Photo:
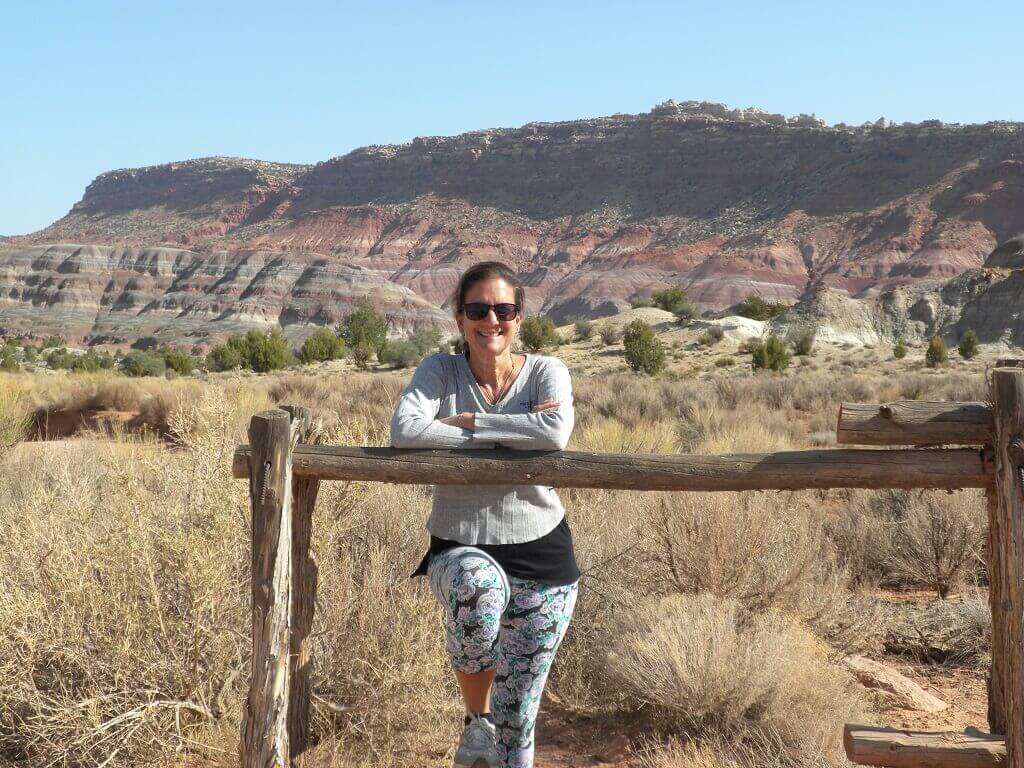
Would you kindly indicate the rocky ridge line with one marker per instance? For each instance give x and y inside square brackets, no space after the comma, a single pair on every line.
[591,212]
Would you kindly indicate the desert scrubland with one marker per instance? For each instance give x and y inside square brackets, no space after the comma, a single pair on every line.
[711,629]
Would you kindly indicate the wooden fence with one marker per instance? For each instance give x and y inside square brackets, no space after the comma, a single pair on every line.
[284,471]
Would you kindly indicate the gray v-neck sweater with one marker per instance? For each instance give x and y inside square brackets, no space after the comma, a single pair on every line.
[443,385]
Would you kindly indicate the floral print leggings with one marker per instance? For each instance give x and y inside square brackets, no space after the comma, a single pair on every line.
[498,621]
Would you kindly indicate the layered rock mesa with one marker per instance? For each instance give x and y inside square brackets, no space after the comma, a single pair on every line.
[155,295]
[590,212]
[987,300]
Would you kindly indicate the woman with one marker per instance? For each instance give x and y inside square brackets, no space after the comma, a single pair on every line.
[501,558]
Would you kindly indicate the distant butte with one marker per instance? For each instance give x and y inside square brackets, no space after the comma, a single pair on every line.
[725,202]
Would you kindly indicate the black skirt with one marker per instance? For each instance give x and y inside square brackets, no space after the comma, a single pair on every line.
[549,559]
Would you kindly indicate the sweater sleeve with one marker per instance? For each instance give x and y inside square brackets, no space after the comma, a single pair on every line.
[415,423]
[543,431]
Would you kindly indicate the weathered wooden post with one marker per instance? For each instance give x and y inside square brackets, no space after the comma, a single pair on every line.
[265,743]
[996,601]
[304,583]
[1006,562]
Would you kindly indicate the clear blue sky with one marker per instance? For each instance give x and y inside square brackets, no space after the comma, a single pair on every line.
[92,86]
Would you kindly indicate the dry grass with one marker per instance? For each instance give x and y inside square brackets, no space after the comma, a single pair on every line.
[15,417]
[124,593]
[861,534]
[120,591]
[106,391]
[124,585]
[701,665]
[362,408]
[679,753]
[763,550]
[607,435]
[940,538]
[718,753]
[956,631]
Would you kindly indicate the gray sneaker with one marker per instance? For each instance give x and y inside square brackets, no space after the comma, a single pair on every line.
[476,747]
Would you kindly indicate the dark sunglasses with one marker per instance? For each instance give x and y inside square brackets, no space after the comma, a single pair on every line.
[476,310]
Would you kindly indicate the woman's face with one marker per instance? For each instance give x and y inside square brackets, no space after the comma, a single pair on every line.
[489,337]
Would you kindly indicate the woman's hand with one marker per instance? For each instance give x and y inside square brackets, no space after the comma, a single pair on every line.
[462,420]
[547,405]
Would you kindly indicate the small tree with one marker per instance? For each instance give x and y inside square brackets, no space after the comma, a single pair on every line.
[684,312]
[8,360]
[425,340]
[638,302]
[584,330]
[899,351]
[365,332]
[968,345]
[538,332]
[401,354]
[91,362]
[756,308]
[225,357]
[179,362]
[267,351]
[936,353]
[643,349]
[363,352]
[323,344]
[257,351]
[139,363]
[610,334]
[59,359]
[676,301]
[803,341]
[668,298]
[770,355]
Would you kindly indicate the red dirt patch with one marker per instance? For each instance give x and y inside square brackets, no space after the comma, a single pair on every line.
[60,423]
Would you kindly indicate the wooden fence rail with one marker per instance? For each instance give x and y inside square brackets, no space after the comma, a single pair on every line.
[945,468]
[284,473]
[915,422]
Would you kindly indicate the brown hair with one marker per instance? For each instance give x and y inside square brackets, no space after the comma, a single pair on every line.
[487,270]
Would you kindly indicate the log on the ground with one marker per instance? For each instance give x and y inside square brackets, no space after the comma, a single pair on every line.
[915,422]
[787,470]
[891,748]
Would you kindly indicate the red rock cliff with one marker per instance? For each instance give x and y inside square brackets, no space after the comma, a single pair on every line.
[725,202]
